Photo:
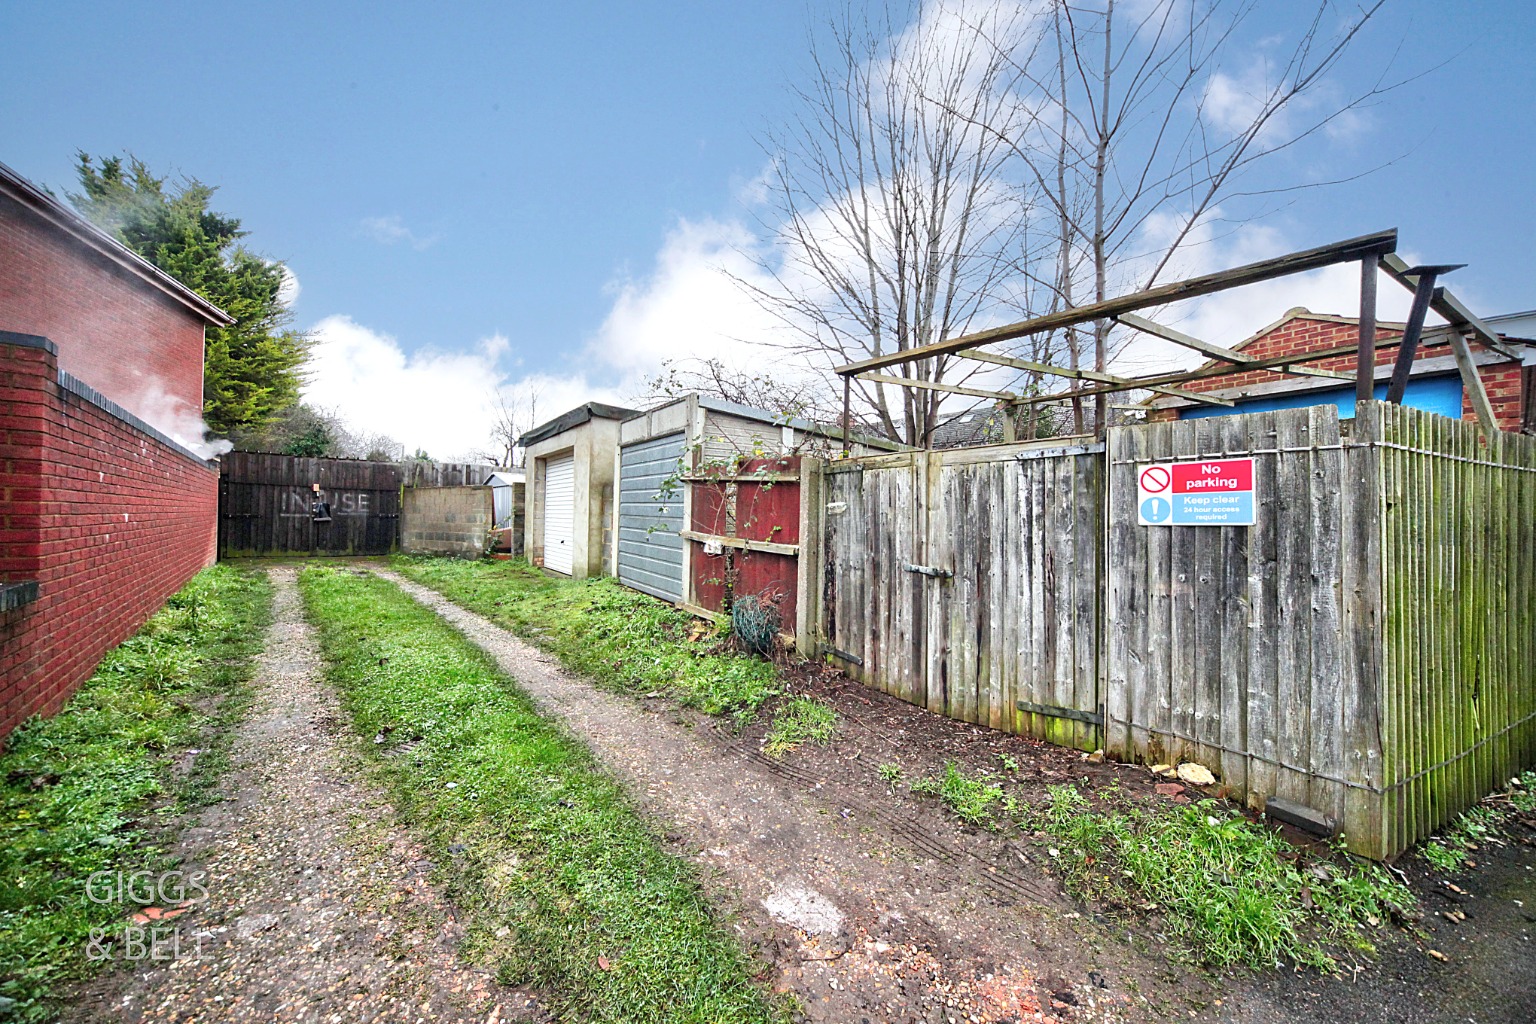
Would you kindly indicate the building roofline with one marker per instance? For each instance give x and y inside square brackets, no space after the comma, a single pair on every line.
[82,230]
[575,418]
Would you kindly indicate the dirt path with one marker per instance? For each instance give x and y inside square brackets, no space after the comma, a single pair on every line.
[867,918]
[317,907]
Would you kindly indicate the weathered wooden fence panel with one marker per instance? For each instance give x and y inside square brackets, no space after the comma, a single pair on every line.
[1238,647]
[1458,682]
[1365,650]
[968,582]
[265,505]
[744,536]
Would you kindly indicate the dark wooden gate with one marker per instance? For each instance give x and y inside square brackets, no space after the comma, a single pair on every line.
[265,506]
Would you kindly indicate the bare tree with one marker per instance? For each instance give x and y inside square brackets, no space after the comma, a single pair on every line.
[1143,135]
[956,162]
[799,395]
[896,223]
[512,416]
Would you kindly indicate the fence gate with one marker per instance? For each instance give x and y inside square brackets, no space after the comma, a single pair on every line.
[967,582]
[265,504]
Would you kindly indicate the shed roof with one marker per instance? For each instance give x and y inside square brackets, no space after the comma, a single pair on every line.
[575,418]
[71,223]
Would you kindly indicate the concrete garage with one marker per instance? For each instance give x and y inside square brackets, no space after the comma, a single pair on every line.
[570,464]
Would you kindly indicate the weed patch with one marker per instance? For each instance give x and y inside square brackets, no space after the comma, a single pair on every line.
[971,798]
[89,789]
[800,720]
[621,639]
[1483,824]
[565,885]
[1232,892]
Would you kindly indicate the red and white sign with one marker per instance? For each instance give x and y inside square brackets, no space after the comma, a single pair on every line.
[1210,492]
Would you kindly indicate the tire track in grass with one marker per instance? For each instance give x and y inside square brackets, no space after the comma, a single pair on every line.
[315,906]
[564,885]
[868,917]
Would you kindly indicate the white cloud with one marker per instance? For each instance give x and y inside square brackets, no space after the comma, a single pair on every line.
[391,230]
[441,401]
[689,307]
[288,291]
[1226,318]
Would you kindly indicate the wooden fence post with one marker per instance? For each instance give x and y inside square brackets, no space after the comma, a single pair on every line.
[808,610]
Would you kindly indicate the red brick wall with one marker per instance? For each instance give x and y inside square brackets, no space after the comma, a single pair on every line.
[113,331]
[107,518]
[1302,334]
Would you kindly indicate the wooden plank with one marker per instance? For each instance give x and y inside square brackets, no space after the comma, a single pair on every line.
[1363,512]
[1094,375]
[740,543]
[813,508]
[929,385]
[1236,610]
[1264,270]
[1122,609]
[1207,577]
[1329,651]
[1088,592]
[1473,382]
[1180,338]
[1293,571]
[1157,703]
[1183,637]
[1287,363]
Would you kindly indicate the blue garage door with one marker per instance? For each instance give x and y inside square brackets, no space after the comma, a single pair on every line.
[651,516]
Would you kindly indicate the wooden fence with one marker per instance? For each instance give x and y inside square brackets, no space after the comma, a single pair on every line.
[1251,649]
[1365,651]
[743,536]
[966,581]
[265,505]
[1457,701]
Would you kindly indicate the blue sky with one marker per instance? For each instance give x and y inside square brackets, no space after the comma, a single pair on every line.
[473,194]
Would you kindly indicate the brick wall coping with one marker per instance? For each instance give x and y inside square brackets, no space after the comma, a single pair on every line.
[28,341]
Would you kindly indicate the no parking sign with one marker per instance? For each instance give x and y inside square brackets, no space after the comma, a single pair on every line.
[1214,492]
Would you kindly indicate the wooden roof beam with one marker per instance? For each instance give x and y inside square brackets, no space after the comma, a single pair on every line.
[1080,374]
[1294,263]
[1447,305]
[1157,330]
[928,385]
[1288,362]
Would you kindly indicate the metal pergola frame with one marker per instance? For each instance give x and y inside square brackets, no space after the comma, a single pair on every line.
[1375,253]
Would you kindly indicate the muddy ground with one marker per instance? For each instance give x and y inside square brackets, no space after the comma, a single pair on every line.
[938,918]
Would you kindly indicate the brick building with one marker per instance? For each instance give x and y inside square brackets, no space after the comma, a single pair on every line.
[1435,384]
[103,515]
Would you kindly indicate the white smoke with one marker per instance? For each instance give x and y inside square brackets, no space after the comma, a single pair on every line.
[179,420]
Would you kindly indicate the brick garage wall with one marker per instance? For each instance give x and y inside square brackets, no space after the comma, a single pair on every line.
[54,285]
[108,517]
[1302,334]
[445,521]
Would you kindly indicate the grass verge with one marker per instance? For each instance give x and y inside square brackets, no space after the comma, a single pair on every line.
[566,887]
[92,788]
[1232,892]
[617,637]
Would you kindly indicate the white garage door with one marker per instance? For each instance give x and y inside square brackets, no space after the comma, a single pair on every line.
[559,513]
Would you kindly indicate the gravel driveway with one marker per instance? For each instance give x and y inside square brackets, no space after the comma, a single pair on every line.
[318,906]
